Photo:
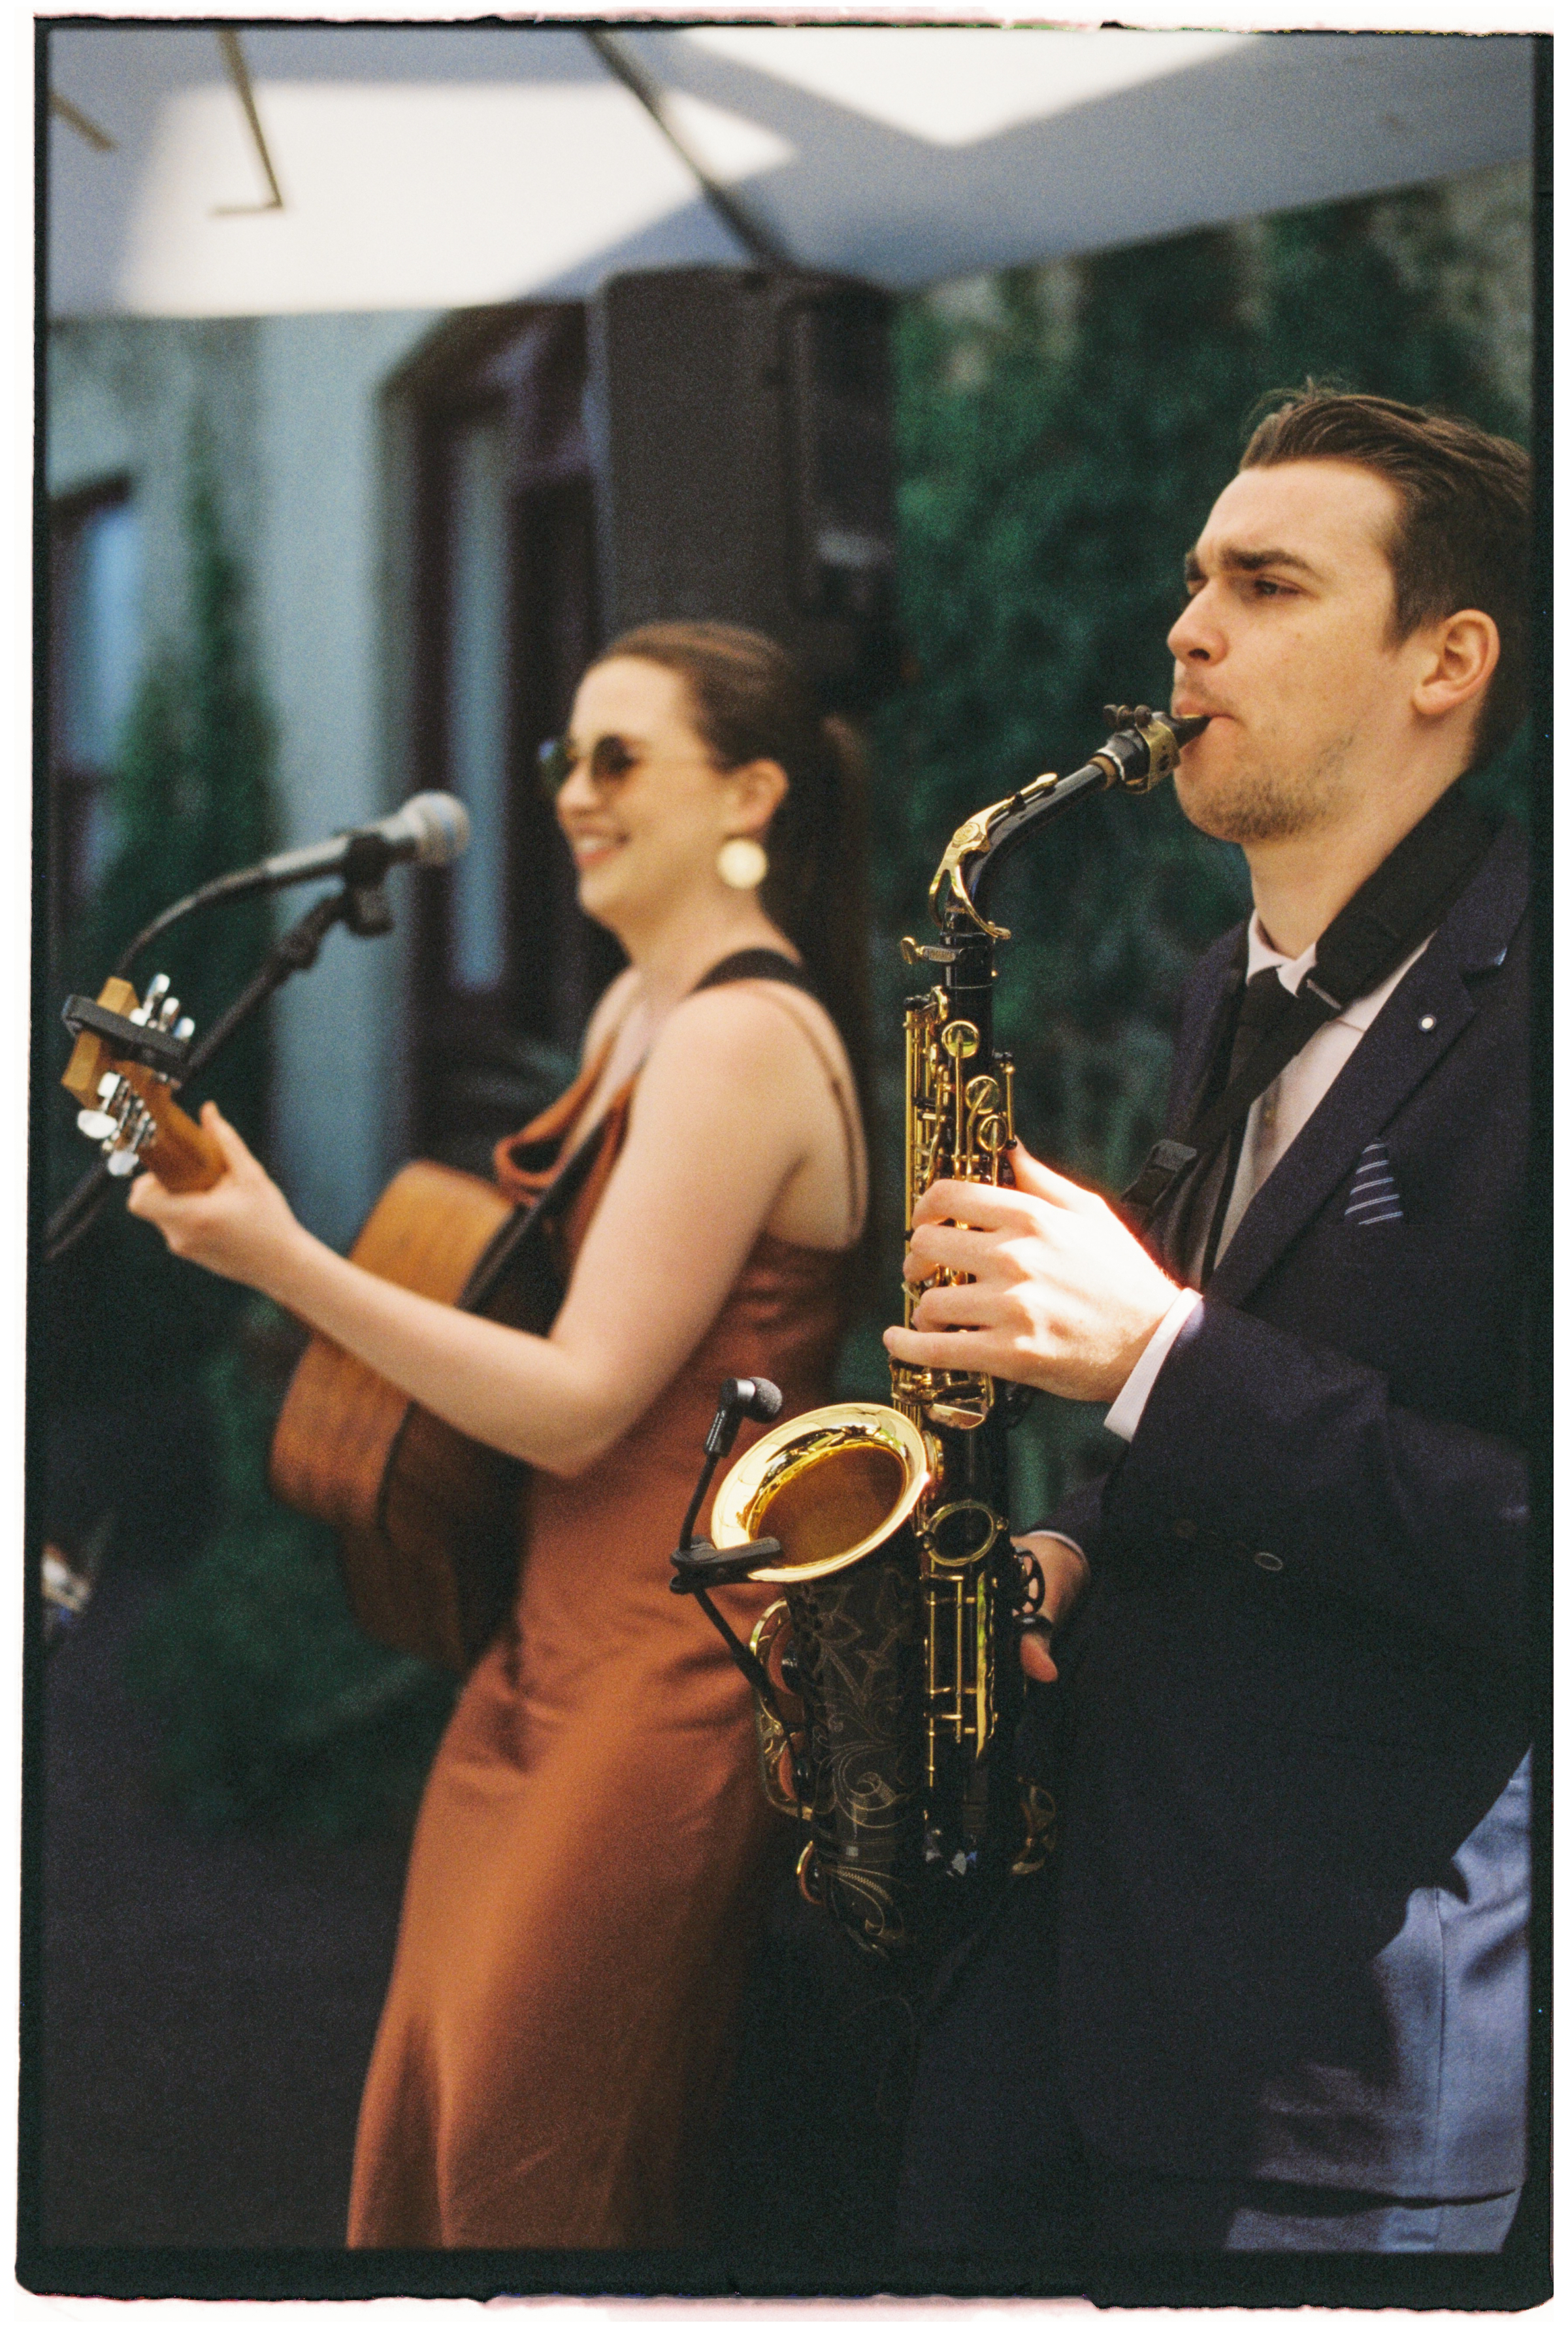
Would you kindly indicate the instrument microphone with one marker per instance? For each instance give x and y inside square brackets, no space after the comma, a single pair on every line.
[741,1396]
[431,829]
[698,1565]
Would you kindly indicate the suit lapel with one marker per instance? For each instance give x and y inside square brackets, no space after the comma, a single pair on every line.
[1421,1019]
[1398,1051]
[1209,1013]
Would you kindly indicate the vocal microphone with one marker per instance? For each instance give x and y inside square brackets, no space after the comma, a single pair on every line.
[431,829]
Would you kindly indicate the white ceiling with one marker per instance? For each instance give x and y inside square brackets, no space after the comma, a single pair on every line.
[447,165]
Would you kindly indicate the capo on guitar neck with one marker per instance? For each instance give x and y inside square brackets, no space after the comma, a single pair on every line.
[122,1067]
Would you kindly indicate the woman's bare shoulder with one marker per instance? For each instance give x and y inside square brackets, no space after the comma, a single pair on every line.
[771,1046]
[759,1015]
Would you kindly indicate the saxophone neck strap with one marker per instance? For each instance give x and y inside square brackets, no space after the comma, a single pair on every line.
[1396,908]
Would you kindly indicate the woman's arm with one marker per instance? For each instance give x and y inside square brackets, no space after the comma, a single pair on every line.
[726,1110]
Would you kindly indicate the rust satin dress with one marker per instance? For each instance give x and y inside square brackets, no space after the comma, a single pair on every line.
[593,1848]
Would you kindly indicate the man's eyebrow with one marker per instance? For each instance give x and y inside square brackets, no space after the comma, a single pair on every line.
[1248,561]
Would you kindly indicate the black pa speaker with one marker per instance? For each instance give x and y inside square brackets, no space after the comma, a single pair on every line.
[742,430]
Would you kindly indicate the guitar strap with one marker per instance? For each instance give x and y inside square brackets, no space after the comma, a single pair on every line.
[525,1239]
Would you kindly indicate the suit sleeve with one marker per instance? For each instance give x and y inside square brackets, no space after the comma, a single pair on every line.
[1259,1449]
[1078,1516]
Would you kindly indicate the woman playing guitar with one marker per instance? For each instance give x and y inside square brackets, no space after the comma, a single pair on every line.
[590,1855]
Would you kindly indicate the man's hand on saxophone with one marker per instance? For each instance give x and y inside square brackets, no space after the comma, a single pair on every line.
[1063,1573]
[1060,1294]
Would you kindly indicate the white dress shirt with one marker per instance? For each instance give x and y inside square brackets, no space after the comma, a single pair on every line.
[1276,1116]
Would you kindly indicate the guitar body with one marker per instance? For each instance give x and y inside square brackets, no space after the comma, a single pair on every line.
[426,1518]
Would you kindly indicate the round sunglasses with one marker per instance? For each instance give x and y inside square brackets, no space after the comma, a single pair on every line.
[610,763]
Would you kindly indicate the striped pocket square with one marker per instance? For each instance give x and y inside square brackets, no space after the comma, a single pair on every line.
[1373,1195]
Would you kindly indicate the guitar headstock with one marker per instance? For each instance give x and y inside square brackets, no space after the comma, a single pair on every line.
[126,1062]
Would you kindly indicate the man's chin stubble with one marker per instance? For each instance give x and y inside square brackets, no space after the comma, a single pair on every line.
[1267,810]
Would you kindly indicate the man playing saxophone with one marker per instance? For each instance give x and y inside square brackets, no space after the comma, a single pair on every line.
[1276,1995]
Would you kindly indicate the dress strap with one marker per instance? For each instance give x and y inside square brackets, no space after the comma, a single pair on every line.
[756,962]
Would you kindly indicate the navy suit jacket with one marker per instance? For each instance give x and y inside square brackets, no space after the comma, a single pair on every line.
[1294,1688]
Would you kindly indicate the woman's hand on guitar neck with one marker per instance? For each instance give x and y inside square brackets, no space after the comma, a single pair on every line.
[241,1228]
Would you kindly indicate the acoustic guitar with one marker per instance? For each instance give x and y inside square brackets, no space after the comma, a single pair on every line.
[427,1518]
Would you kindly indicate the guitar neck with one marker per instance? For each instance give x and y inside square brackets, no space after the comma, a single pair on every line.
[183,1155]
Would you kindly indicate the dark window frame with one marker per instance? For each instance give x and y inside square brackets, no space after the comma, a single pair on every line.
[481,1060]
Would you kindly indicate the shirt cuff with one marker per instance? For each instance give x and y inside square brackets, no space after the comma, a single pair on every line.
[1123,1417]
[1070,1541]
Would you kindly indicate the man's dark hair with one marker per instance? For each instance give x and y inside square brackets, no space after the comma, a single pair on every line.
[1463,538]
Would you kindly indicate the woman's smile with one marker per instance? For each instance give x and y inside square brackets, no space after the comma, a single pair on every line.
[592,848]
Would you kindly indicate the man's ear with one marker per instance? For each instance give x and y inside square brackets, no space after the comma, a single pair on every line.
[1459,657]
[756,790]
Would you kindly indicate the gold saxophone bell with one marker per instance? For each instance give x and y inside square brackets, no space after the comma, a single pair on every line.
[832,1487]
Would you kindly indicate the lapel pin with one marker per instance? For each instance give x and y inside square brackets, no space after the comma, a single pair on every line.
[1428,1023]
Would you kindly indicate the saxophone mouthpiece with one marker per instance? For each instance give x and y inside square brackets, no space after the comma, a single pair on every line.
[1145,746]
[1137,717]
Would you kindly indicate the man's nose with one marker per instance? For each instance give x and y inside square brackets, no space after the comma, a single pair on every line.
[1194,637]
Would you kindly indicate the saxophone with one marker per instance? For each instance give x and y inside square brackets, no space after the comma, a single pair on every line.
[885,1673]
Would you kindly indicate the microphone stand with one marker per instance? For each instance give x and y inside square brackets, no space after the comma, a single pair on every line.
[697,1563]
[360,904]
[366,862]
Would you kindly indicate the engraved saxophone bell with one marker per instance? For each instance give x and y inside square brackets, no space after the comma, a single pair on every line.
[837,1489]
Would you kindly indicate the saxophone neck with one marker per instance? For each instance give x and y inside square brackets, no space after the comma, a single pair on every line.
[1141,751]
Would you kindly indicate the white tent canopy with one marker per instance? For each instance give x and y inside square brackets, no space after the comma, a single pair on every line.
[433,166]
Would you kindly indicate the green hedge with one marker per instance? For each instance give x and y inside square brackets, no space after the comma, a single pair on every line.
[273,1705]
[1060,440]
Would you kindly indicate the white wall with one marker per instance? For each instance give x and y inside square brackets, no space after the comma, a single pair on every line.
[294,403]
[322,610]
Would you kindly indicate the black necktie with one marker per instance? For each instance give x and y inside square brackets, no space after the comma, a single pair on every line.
[1265,1003]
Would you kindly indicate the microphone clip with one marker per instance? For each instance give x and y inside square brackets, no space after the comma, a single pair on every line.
[367,910]
[701,1564]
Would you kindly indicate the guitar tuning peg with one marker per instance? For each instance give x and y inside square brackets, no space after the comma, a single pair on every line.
[185,1030]
[168,1011]
[108,1086]
[147,1009]
[97,1125]
[121,1163]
